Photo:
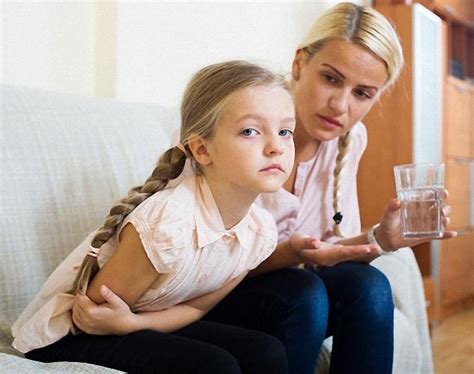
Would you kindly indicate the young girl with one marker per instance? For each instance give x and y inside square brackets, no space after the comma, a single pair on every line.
[348,58]
[182,241]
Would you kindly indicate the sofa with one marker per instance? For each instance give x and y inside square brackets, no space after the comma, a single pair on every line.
[66,159]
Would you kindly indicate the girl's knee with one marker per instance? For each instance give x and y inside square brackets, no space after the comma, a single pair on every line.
[218,361]
[272,357]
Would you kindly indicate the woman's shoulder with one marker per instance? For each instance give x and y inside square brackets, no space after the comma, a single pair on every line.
[359,140]
[360,131]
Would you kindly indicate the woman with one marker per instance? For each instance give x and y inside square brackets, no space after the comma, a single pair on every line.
[348,58]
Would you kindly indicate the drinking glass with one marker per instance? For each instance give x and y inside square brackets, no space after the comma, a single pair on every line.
[420,187]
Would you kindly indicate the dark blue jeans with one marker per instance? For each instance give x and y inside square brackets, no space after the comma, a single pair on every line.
[200,348]
[350,301]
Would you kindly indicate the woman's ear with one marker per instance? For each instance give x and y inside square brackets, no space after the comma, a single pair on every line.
[198,147]
[296,65]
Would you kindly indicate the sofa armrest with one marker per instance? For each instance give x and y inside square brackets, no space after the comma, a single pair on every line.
[406,282]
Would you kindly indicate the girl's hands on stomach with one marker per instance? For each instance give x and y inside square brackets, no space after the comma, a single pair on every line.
[113,317]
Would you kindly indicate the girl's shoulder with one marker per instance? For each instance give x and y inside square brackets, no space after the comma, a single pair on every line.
[263,223]
[164,223]
[173,203]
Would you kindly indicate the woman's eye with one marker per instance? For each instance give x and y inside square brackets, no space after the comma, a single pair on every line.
[329,78]
[249,132]
[286,133]
[362,94]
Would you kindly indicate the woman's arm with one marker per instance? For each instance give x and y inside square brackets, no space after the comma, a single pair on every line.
[115,316]
[301,249]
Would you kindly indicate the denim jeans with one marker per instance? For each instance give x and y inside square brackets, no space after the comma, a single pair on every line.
[350,301]
[200,348]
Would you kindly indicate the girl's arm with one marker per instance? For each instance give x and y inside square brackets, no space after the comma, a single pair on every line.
[129,272]
[115,317]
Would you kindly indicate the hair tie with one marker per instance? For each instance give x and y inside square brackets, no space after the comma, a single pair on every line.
[92,251]
[180,146]
[337,218]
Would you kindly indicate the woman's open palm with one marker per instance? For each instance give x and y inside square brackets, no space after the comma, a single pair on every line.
[315,252]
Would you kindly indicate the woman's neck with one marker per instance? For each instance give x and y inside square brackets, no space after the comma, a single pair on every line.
[305,145]
[305,149]
[232,201]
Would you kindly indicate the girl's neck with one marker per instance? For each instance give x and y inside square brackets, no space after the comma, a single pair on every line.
[232,201]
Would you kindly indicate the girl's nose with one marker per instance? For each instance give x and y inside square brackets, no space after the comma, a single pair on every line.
[274,147]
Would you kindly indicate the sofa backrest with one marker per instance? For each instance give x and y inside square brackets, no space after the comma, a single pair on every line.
[64,161]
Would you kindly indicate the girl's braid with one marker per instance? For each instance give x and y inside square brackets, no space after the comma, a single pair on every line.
[170,166]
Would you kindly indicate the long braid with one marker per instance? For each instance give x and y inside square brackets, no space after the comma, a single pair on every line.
[344,147]
[169,166]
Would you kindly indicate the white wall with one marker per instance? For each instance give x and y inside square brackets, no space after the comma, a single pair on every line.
[48,44]
[143,50]
[161,45]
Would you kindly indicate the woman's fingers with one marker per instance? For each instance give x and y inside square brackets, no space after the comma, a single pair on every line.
[446,210]
[446,194]
[300,242]
[449,234]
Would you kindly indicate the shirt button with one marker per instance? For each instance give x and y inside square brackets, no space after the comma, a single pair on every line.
[228,236]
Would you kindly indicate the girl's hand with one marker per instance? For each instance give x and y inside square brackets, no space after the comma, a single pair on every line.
[315,252]
[389,233]
[113,317]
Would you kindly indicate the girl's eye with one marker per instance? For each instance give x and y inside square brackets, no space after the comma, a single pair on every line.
[285,133]
[249,132]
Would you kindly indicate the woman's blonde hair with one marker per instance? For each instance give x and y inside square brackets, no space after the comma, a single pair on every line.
[204,98]
[368,28]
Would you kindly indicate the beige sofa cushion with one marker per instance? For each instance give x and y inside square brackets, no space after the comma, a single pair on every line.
[65,160]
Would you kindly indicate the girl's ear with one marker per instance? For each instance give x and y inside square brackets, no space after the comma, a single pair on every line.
[198,147]
[296,65]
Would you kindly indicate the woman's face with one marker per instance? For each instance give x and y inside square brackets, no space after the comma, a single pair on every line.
[335,88]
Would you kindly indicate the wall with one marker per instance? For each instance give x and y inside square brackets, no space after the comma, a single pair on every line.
[48,45]
[143,51]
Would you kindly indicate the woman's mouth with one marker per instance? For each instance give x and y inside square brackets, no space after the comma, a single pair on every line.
[329,122]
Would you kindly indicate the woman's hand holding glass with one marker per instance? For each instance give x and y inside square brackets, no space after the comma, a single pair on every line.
[389,233]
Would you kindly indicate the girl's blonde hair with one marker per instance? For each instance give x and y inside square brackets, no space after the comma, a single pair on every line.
[203,101]
[368,28]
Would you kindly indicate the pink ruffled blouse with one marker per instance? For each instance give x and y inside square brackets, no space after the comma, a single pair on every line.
[184,237]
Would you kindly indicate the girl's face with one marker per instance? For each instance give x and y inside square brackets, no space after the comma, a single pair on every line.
[252,149]
[335,89]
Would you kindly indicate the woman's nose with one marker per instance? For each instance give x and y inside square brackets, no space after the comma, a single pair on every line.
[339,102]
